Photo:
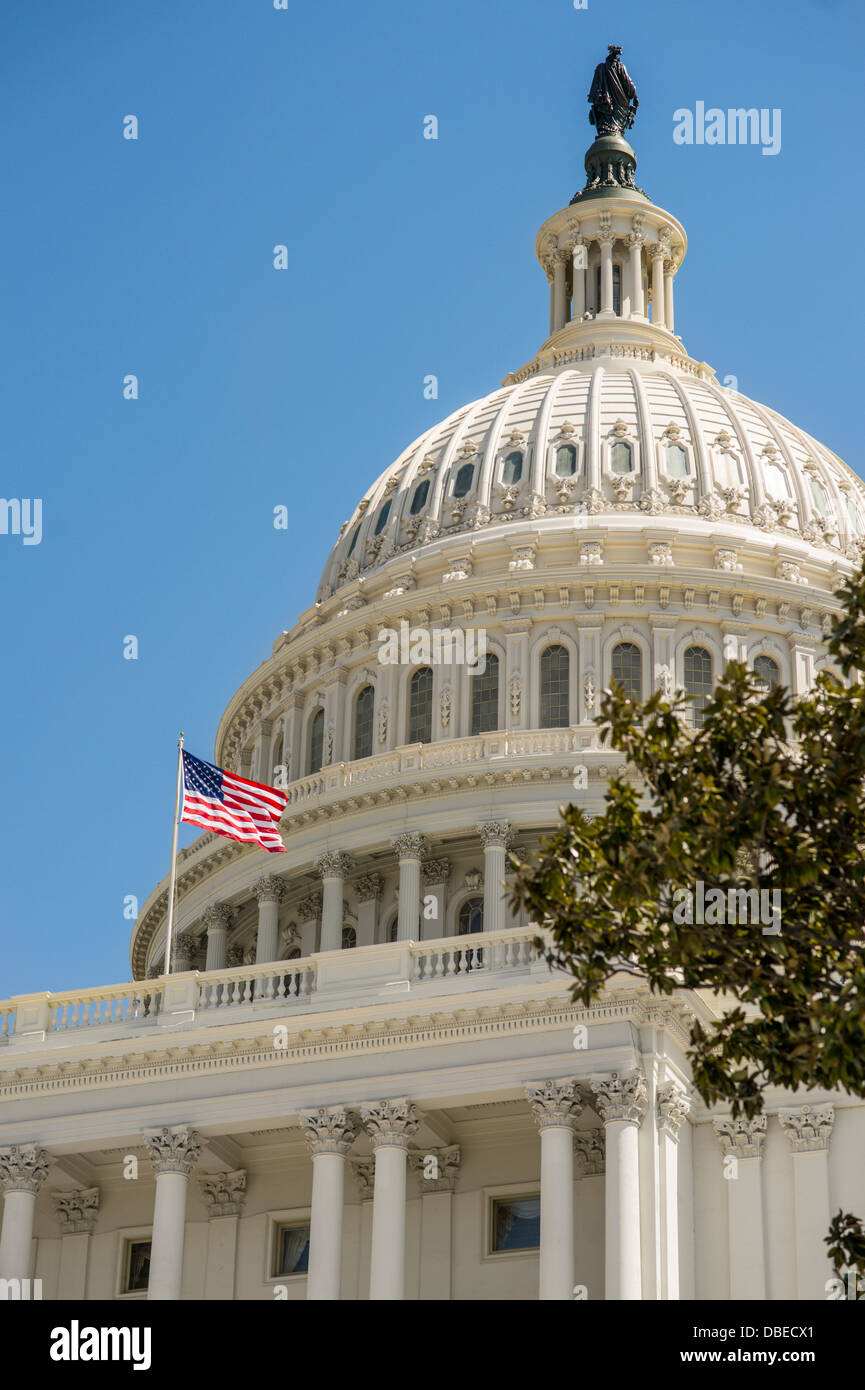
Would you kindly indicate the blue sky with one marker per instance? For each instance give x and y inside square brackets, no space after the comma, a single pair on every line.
[257,387]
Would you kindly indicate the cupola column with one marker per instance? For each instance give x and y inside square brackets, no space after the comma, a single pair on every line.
[560,309]
[658,253]
[495,835]
[410,848]
[579,271]
[330,1134]
[333,868]
[669,271]
[173,1153]
[270,892]
[390,1125]
[23,1169]
[635,246]
[556,1107]
[605,237]
[621,1103]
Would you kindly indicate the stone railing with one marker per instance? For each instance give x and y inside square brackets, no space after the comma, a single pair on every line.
[329,980]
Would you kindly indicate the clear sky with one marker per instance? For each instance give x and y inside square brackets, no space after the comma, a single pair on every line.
[259,387]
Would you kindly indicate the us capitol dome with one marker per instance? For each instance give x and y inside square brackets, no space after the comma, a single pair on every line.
[357,1077]
[611,510]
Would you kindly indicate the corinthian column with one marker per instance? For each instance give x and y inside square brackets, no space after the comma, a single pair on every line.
[556,1106]
[560,309]
[217,920]
[580,261]
[330,1134]
[635,247]
[332,867]
[410,850]
[76,1213]
[23,1170]
[606,237]
[809,1130]
[673,1107]
[173,1153]
[658,252]
[495,835]
[270,892]
[668,294]
[741,1143]
[390,1125]
[621,1104]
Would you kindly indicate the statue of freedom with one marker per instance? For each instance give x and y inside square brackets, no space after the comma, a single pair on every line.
[613,96]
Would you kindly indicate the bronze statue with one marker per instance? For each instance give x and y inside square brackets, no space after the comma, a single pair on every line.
[613,96]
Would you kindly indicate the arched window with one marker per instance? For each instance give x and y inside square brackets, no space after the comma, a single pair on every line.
[471,917]
[620,457]
[698,682]
[316,741]
[349,938]
[676,461]
[766,671]
[513,468]
[463,480]
[627,669]
[566,461]
[421,493]
[485,697]
[853,514]
[276,756]
[555,688]
[363,710]
[420,706]
[818,495]
[393,928]
[382,518]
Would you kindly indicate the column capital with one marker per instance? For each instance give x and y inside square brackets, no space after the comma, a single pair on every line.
[658,250]
[218,916]
[621,1096]
[495,833]
[390,1123]
[673,1108]
[77,1210]
[333,864]
[437,1169]
[223,1193]
[367,887]
[555,1104]
[436,871]
[808,1129]
[330,1129]
[269,889]
[364,1176]
[410,845]
[741,1136]
[591,1148]
[173,1150]
[310,907]
[23,1168]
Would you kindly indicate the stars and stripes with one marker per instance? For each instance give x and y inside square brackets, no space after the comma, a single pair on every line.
[217,800]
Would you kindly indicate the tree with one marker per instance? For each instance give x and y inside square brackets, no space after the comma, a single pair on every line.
[766,794]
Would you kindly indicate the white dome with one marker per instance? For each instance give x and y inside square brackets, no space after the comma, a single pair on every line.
[694,448]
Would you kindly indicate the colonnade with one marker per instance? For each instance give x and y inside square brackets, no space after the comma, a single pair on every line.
[573,273]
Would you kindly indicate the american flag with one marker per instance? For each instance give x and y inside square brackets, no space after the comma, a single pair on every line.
[232,806]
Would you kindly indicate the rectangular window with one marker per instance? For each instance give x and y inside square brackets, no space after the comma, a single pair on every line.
[136,1266]
[291,1255]
[515,1223]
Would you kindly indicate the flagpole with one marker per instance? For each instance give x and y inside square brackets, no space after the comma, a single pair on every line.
[173,879]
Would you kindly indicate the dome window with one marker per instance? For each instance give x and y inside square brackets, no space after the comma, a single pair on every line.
[621,455]
[853,514]
[555,688]
[485,697]
[421,493]
[349,938]
[513,468]
[767,673]
[420,706]
[471,918]
[463,480]
[363,711]
[698,683]
[818,495]
[627,669]
[382,518]
[676,461]
[566,461]
[316,742]
[777,483]
[354,535]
